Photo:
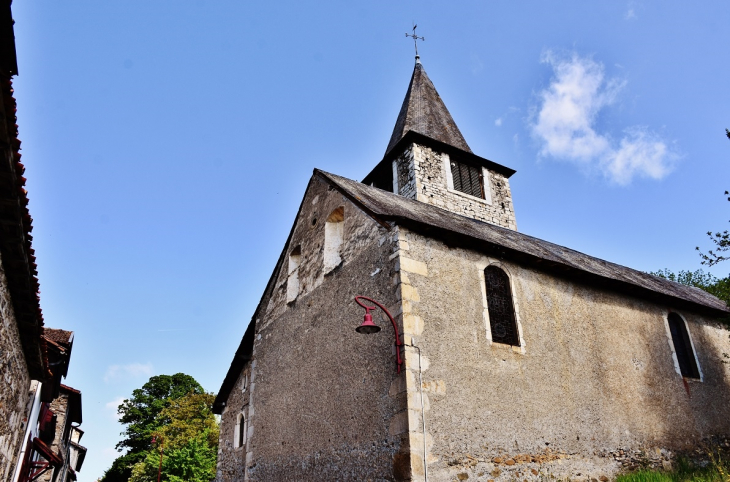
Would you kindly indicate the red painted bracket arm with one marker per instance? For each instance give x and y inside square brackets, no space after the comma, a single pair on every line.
[368,309]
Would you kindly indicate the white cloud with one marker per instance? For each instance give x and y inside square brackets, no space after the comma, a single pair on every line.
[630,14]
[132,370]
[498,122]
[564,123]
[113,405]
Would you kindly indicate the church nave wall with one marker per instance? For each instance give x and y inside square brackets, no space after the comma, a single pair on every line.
[593,374]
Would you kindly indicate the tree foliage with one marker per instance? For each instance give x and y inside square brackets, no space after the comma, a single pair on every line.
[141,415]
[187,443]
[720,239]
[719,287]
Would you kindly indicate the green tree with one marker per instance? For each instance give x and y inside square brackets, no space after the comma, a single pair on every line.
[720,239]
[189,434]
[140,414]
[719,287]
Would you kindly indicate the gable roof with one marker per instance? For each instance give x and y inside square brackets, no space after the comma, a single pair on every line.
[424,112]
[386,207]
[507,243]
[58,336]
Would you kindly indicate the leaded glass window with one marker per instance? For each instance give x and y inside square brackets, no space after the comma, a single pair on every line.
[502,320]
[682,347]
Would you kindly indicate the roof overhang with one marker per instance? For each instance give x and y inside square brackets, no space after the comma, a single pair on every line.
[456,230]
[413,137]
[74,404]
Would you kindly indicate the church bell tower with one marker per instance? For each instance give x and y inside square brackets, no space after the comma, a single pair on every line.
[427,159]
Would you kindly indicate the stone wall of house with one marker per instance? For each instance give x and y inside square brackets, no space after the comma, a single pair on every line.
[593,381]
[15,396]
[422,175]
[326,403]
[59,406]
[232,459]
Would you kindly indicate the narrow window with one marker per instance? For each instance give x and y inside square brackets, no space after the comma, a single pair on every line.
[334,231]
[244,383]
[292,282]
[682,346]
[395,177]
[467,179]
[240,432]
[502,320]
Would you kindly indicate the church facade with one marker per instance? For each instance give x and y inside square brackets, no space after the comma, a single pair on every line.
[515,357]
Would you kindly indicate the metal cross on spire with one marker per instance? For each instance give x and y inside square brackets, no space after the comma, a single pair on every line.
[415,38]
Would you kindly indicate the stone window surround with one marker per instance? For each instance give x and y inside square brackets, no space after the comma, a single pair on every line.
[481,266]
[241,424]
[334,235]
[450,183]
[665,316]
[292,282]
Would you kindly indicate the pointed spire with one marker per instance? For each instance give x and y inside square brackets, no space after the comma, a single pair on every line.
[424,112]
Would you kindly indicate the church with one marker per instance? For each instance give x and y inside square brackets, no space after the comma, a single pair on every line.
[472,351]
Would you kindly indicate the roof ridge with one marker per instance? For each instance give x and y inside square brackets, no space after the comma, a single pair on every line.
[424,111]
[389,206]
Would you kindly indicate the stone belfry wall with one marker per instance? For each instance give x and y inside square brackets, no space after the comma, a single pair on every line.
[421,173]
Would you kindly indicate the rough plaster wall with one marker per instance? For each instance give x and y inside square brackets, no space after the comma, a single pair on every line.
[327,401]
[421,176]
[15,386]
[231,461]
[595,374]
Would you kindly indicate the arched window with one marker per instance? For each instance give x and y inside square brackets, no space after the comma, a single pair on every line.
[334,231]
[502,320]
[240,432]
[682,346]
[292,282]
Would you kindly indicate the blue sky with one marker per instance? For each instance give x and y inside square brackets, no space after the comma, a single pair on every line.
[168,145]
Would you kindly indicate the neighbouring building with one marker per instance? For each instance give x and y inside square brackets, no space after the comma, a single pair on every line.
[521,359]
[21,322]
[66,411]
[33,359]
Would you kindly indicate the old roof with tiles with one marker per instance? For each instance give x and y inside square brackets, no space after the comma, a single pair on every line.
[424,112]
[502,242]
[58,336]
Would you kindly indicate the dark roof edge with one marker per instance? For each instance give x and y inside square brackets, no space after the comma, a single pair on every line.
[560,269]
[16,250]
[418,138]
[245,348]
[243,355]
[548,265]
[244,351]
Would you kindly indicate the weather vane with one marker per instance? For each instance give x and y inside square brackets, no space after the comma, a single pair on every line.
[415,38]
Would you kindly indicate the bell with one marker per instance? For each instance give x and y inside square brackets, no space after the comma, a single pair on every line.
[368,326]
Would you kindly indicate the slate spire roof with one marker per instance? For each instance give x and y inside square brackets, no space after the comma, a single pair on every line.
[424,112]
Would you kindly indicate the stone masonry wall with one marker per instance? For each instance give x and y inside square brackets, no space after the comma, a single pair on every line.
[326,402]
[232,459]
[594,376]
[422,176]
[59,406]
[14,388]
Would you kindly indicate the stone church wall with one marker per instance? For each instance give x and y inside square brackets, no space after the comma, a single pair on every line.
[325,402]
[594,374]
[15,386]
[421,173]
[232,459]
